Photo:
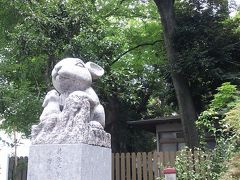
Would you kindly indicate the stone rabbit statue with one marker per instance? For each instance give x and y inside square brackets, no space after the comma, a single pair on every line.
[72,111]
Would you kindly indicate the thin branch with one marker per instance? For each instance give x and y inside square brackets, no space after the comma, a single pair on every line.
[133,48]
[115,9]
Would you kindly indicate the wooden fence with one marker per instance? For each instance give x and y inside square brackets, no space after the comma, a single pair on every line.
[141,166]
[20,173]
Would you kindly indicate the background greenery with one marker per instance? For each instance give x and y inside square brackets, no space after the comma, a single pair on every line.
[219,121]
[126,38]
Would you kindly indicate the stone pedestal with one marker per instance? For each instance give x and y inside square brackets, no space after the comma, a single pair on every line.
[69,162]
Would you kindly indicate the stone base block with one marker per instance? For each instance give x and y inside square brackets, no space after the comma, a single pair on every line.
[69,162]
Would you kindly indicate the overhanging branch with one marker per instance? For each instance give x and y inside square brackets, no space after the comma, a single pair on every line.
[133,48]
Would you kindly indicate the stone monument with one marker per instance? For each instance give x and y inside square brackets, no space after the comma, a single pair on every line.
[70,143]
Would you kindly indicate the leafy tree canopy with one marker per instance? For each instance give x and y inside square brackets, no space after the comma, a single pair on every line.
[121,41]
[207,41]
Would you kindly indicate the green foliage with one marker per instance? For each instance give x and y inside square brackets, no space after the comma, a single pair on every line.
[19,109]
[232,119]
[122,36]
[9,17]
[225,97]
[233,172]
[207,42]
[211,120]
[220,120]
[187,163]
[201,164]
[158,106]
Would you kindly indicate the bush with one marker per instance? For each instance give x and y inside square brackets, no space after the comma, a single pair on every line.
[201,164]
[221,120]
[232,119]
[233,172]
[211,120]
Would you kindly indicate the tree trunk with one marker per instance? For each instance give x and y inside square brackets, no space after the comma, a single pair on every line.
[51,62]
[112,124]
[185,102]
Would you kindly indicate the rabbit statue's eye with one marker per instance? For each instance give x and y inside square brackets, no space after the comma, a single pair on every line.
[80,64]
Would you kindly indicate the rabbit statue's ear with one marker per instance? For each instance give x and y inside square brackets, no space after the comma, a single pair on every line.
[95,70]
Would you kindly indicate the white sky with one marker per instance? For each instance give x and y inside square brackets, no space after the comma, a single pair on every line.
[22,149]
[238,4]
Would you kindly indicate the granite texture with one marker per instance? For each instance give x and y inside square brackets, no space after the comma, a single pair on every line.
[72,112]
[69,162]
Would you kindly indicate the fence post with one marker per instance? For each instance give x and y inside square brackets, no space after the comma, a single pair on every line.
[170,174]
